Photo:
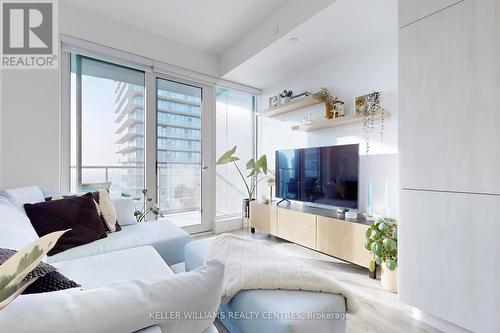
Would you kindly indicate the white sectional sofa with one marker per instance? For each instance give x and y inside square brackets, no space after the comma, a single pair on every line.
[124,278]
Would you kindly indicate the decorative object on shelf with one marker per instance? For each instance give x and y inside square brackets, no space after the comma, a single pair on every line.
[368,106]
[293,105]
[256,168]
[382,241]
[264,199]
[338,109]
[286,96]
[270,183]
[304,94]
[324,96]
[274,101]
[147,206]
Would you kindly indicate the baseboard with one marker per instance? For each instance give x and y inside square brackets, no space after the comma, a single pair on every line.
[436,322]
[227,225]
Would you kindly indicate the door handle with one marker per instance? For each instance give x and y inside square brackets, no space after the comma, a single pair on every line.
[204,167]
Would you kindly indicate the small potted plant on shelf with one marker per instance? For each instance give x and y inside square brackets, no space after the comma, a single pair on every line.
[382,241]
[330,102]
[255,168]
[286,96]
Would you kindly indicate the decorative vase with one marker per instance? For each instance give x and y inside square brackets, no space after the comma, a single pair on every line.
[245,213]
[389,279]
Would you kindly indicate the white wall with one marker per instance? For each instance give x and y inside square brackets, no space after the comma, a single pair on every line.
[82,24]
[353,73]
[30,130]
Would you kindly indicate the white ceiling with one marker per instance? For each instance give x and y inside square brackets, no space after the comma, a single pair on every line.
[208,25]
[343,26]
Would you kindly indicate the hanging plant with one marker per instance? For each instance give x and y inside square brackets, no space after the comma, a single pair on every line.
[368,106]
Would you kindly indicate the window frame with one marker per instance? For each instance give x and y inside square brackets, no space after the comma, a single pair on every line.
[153,70]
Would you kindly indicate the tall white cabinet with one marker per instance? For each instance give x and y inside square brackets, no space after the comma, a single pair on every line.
[449,143]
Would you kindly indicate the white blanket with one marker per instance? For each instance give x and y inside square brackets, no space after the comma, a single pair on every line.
[251,264]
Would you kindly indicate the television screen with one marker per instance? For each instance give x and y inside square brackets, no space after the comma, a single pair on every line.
[323,175]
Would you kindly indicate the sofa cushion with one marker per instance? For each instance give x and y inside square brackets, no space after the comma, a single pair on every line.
[77,213]
[22,195]
[123,306]
[125,209]
[167,238]
[16,230]
[53,281]
[194,253]
[96,271]
[104,205]
[40,270]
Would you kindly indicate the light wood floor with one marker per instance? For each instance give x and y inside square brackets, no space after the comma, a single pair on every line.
[380,311]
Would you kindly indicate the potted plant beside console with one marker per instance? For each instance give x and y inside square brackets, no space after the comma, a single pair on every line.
[255,169]
[382,241]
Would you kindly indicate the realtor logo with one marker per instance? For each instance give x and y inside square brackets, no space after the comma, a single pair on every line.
[29,34]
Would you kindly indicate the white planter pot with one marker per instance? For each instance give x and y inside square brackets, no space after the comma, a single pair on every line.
[389,279]
[285,100]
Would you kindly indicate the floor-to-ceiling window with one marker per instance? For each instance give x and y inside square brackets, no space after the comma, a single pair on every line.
[135,128]
[107,120]
[235,126]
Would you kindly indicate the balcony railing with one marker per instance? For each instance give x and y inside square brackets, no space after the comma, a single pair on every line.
[180,197]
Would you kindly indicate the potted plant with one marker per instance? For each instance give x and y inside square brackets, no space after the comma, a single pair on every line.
[286,96]
[382,241]
[146,206]
[324,96]
[255,168]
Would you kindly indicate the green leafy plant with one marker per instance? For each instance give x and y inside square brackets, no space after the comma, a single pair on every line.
[255,168]
[286,93]
[382,241]
[146,204]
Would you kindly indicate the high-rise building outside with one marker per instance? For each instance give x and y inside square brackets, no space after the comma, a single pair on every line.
[178,142]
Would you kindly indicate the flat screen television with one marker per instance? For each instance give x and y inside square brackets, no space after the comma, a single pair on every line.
[322,175]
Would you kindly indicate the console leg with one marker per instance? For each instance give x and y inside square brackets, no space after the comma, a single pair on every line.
[252,230]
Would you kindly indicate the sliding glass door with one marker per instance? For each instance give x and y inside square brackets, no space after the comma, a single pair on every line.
[180,170]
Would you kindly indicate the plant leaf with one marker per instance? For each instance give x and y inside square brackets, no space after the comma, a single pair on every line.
[372,266]
[227,157]
[251,164]
[125,195]
[262,164]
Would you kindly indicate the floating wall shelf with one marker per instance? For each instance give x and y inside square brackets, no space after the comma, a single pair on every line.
[293,105]
[327,123]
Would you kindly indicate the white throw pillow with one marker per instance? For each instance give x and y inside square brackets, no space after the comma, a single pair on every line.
[21,195]
[125,211]
[166,301]
[16,230]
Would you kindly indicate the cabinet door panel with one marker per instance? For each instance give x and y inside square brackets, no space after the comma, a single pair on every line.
[260,215]
[449,257]
[344,240]
[413,10]
[297,227]
[449,102]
